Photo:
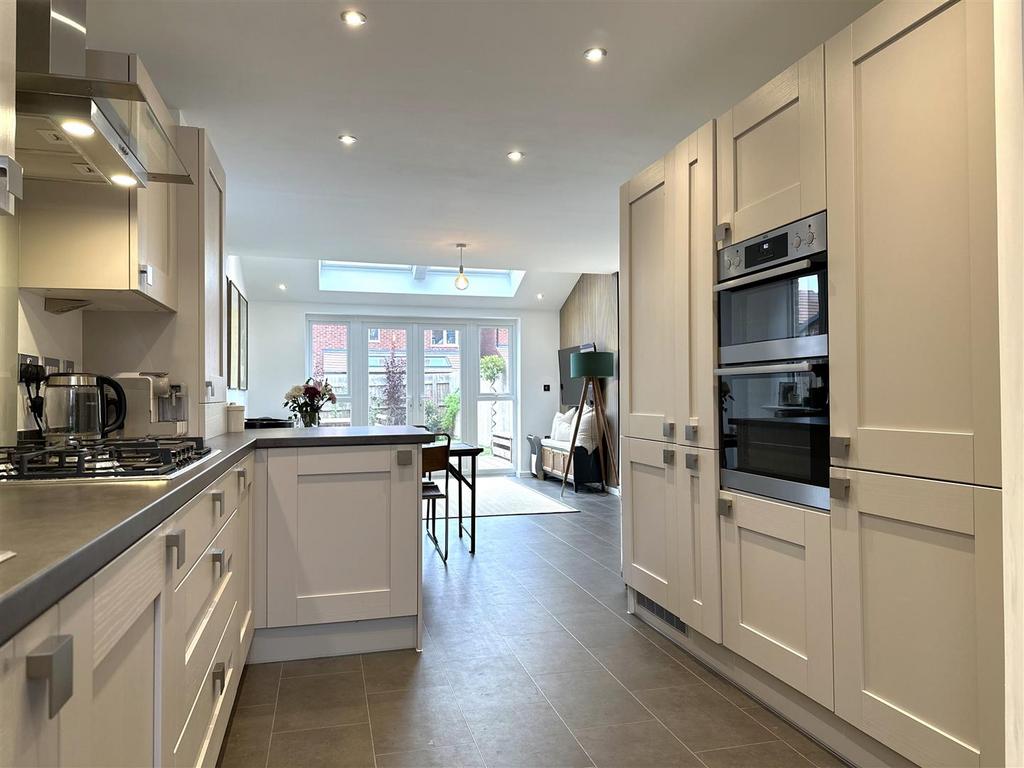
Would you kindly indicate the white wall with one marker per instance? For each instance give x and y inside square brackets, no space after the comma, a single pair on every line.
[44,334]
[233,270]
[277,355]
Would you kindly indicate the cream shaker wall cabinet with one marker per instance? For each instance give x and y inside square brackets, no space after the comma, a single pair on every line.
[771,153]
[10,177]
[109,246]
[917,594]
[913,325]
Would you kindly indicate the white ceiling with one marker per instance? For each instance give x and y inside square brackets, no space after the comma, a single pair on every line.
[438,93]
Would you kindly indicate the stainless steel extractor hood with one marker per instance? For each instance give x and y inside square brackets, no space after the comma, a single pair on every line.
[86,115]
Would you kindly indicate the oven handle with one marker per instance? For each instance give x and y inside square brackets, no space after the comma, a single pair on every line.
[757,277]
[751,370]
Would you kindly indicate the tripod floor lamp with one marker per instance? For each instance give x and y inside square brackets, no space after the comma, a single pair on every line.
[592,367]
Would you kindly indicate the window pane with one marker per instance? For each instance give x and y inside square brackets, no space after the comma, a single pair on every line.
[387,354]
[494,360]
[442,371]
[494,424]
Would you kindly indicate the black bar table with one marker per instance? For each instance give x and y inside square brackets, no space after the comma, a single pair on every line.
[462,450]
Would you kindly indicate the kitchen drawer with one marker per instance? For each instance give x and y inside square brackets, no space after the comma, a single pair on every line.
[206,583]
[199,741]
[202,517]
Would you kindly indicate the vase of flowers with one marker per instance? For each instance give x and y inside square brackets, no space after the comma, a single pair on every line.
[306,400]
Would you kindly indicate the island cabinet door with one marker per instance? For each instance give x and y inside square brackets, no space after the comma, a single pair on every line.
[771,152]
[917,588]
[650,542]
[913,309]
[776,590]
[648,334]
[343,533]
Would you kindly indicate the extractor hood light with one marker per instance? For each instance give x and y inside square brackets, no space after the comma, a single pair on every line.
[124,180]
[347,139]
[515,155]
[594,55]
[353,18]
[282,287]
[78,128]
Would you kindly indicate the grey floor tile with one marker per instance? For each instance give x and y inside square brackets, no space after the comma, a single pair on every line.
[525,736]
[550,652]
[259,685]
[597,628]
[801,743]
[320,701]
[340,747]
[458,756]
[495,680]
[400,670]
[248,737]
[636,745]
[418,718]
[640,665]
[570,599]
[775,754]
[587,698]
[525,619]
[322,666]
[702,719]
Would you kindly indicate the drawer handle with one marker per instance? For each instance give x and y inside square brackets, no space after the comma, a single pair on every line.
[691,461]
[839,447]
[218,502]
[53,661]
[668,429]
[243,479]
[725,507]
[219,560]
[722,230]
[176,540]
[690,431]
[404,458]
[839,488]
[219,676]
[668,456]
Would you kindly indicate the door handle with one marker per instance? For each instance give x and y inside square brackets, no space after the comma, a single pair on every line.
[724,507]
[243,479]
[218,558]
[218,502]
[768,274]
[690,432]
[722,230]
[839,488]
[176,540]
[839,447]
[753,370]
[691,461]
[10,184]
[219,675]
[54,661]
[668,429]
[403,458]
[668,457]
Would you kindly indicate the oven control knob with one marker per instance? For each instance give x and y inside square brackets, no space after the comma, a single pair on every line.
[809,236]
[797,242]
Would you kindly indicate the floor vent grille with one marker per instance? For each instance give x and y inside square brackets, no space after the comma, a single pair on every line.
[666,616]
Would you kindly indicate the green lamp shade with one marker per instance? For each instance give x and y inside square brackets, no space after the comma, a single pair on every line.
[599,365]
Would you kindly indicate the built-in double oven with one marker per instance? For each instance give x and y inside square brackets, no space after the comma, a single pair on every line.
[773,363]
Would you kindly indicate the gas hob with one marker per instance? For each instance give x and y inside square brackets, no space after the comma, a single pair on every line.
[157,458]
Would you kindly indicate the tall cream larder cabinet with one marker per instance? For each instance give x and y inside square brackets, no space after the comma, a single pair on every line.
[915,380]
[669,461]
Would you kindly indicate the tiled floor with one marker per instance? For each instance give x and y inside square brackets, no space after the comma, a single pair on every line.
[530,661]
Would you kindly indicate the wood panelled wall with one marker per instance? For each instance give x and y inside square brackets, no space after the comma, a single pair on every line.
[591,314]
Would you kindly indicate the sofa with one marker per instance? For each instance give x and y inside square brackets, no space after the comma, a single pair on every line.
[549,455]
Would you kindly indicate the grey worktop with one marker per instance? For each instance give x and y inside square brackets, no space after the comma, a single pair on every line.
[65,531]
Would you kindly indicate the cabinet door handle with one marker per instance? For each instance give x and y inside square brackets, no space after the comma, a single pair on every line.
[691,461]
[404,458]
[722,230]
[176,540]
[839,488]
[219,676]
[690,431]
[219,560]
[243,478]
[668,457]
[668,429]
[10,184]
[54,661]
[145,276]
[209,388]
[839,447]
[725,507]
[218,502]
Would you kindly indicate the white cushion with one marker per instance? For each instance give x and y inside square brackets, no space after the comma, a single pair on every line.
[587,436]
[563,425]
[561,445]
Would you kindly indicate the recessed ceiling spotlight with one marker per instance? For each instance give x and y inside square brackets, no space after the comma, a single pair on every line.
[594,55]
[124,180]
[282,287]
[540,297]
[347,140]
[78,128]
[353,18]
[515,155]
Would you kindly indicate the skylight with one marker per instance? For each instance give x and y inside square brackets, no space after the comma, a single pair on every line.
[366,277]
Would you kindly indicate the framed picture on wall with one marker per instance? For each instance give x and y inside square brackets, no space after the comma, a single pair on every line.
[238,338]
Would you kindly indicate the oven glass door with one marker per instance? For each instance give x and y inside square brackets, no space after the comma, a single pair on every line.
[781,314]
[775,430]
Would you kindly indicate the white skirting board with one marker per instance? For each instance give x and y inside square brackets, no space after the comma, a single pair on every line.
[807,715]
[314,641]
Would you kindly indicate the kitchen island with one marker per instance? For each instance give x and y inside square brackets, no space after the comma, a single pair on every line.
[132,606]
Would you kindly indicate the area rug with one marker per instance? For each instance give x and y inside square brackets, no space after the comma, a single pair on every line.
[497,496]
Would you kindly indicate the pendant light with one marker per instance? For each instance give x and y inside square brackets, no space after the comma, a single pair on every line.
[461,281]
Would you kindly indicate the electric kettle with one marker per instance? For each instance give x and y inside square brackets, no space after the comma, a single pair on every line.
[75,407]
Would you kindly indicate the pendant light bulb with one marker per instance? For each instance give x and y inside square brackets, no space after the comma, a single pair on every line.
[461,281]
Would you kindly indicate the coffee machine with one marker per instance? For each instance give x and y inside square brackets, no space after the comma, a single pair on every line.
[156,407]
